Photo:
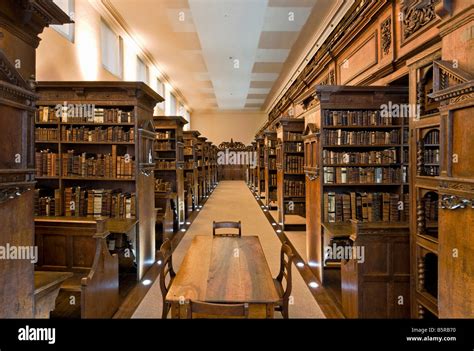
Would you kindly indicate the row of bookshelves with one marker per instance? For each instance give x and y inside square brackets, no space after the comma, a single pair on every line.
[431,156]
[164,146]
[359,118]
[294,164]
[352,138]
[162,185]
[431,206]
[80,202]
[271,163]
[361,175]
[165,164]
[294,188]
[272,180]
[294,147]
[84,165]
[164,135]
[271,144]
[365,207]
[382,157]
[83,114]
[432,138]
[292,136]
[84,134]
[431,171]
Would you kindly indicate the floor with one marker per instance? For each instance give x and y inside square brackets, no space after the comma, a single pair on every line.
[232,200]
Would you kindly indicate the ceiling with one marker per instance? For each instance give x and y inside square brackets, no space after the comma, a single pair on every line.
[221,54]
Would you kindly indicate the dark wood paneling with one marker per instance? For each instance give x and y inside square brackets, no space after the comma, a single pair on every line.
[377,285]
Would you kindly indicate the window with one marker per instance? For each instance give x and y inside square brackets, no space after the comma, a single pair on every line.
[112,50]
[188,118]
[142,71]
[172,105]
[66,30]
[160,89]
[181,110]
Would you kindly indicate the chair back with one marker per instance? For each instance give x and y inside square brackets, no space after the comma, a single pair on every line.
[284,277]
[214,310]
[166,258]
[227,225]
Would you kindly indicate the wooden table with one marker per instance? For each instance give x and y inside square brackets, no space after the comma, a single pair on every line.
[47,285]
[224,270]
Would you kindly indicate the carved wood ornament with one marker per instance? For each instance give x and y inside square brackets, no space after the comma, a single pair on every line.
[386,35]
[452,202]
[233,145]
[416,14]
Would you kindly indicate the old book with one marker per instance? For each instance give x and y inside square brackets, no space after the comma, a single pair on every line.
[331,207]
[386,207]
[346,202]
[114,161]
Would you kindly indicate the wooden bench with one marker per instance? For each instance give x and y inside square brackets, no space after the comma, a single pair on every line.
[47,286]
[78,245]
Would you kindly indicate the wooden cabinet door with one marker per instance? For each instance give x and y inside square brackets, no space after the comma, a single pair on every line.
[456,268]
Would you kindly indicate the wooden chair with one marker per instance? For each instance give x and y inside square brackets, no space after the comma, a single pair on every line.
[284,290]
[227,225]
[166,258]
[214,310]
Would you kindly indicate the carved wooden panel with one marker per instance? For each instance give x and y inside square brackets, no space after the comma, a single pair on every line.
[386,36]
[359,60]
[455,254]
[416,16]
[462,144]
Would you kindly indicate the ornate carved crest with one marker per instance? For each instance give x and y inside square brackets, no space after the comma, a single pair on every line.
[237,145]
[416,14]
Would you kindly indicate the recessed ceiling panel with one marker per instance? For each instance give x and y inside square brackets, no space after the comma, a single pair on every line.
[224,52]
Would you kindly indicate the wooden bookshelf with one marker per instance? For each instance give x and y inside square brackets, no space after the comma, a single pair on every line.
[169,159]
[442,179]
[191,171]
[209,167]
[214,166]
[260,171]
[93,171]
[252,171]
[290,173]
[270,140]
[355,171]
[202,152]
[425,148]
